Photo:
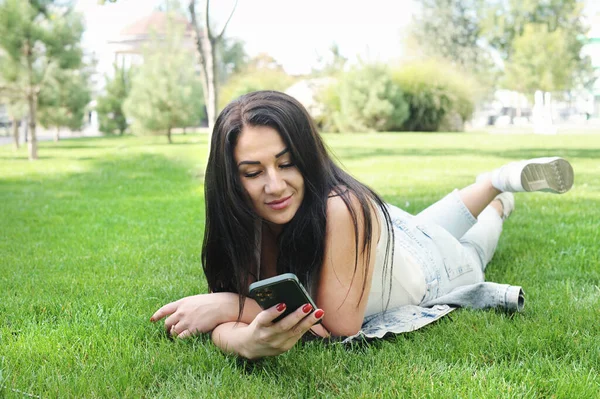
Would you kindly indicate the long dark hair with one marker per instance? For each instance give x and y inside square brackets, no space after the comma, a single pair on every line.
[231,241]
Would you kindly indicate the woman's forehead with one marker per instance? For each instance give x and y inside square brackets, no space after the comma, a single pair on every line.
[256,142]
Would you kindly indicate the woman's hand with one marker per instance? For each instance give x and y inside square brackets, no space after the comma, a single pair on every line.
[197,314]
[262,337]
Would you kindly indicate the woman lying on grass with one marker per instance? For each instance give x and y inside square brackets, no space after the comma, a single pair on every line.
[276,203]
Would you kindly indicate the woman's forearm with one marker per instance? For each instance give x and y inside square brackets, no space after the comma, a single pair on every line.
[229,338]
[231,308]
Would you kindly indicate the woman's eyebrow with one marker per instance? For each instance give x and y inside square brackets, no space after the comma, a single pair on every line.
[285,151]
[278,155]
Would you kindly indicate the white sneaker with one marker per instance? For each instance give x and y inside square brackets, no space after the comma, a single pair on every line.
[554,175]
[508,203]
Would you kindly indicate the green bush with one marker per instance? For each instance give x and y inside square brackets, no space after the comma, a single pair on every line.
[440,98]
[364,99]
[253,80]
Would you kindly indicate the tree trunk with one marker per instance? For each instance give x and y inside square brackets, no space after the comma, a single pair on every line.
[169,135]
[15,132]
[57,135]
[32,144]
[32,102]
[210,84]
[184,130]
[25,127]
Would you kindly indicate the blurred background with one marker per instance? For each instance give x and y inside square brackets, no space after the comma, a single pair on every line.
[90,67]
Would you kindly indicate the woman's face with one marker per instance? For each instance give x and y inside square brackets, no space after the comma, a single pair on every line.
[268,173]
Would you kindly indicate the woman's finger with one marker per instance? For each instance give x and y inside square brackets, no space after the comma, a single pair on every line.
[292,320]
[184,334]
[266,317]
[176,329]
[305,324]
[321,331]
[164,311]
[171,321]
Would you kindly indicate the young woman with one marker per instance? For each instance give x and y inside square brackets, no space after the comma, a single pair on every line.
[276,203]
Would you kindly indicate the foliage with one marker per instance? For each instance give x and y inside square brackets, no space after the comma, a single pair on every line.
[38,39]
[364,99]
[451,30]
[331,64]
[165,91]
[466,33]
[554,68]
[109,106]
[435,94]
[261,73]
[506,20]
[231,58]
[64,101]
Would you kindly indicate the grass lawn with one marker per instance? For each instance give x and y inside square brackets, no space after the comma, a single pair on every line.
[99,233]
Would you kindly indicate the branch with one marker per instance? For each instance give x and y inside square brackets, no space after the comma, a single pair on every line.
[192,9]
[228,19]
[207,23]
[10,92]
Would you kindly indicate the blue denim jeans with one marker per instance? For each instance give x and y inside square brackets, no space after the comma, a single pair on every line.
[454,249]
[452,245]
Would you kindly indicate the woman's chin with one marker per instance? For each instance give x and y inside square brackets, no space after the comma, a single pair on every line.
[280,219]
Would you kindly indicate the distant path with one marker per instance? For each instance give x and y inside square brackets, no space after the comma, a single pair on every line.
[47,135]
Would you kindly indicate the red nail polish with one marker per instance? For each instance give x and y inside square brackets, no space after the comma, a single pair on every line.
[307,308]
[319,313]
[280,307]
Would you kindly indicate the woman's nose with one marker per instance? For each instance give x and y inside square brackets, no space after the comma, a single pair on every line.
[275,185]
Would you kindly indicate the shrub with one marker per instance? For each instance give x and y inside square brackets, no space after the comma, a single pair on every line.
[364,99]
[439,97]
[253,80]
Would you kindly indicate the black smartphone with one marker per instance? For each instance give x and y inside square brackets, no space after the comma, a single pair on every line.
[285,288]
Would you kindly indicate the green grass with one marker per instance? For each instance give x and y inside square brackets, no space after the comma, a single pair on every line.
[99,233]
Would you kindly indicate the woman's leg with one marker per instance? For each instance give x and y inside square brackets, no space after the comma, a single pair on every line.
[457,213]
[481,240]
[478,196]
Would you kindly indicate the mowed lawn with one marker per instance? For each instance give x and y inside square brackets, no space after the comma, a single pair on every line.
[99,233]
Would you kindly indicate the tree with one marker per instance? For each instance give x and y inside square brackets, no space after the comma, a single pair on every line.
[10,95]
[451,29]
[206,46]
[331,64]
[64,101]
[555,68]
[261,73]
[505,20]
[165,90]
[232,58]
[110,106]
[37,37]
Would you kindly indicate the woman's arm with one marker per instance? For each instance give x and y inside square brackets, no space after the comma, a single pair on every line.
[202,313]
[340,291]
[262,337]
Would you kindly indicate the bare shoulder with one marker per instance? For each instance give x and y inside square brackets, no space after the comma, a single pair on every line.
[338,213]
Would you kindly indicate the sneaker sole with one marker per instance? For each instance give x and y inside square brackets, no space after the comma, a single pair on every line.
[555,176]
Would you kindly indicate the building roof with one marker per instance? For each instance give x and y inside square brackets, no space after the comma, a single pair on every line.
[155,22]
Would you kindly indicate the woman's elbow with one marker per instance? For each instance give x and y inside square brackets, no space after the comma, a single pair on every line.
[344,329]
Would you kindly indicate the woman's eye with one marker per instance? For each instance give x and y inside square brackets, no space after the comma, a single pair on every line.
[286,165]
[251,174]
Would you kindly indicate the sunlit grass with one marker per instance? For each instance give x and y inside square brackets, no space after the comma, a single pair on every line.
[100,232]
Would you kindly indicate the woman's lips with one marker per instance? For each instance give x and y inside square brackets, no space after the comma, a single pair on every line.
[280,204]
